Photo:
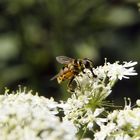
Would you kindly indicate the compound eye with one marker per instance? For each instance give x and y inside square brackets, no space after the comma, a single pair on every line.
[87,64]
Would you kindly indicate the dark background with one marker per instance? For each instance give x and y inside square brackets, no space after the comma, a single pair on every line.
[34,32]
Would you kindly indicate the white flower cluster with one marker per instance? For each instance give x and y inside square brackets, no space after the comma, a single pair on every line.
[115,71]
[86,105]
[24,116]
[122,125]
[76,109]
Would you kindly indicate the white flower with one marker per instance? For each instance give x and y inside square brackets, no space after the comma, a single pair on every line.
[116,71]
[91,91]
[122,125]
[120,136]
[105,78]
[24,116]
[138,102]
[105,131]
[112,116]
[93,117]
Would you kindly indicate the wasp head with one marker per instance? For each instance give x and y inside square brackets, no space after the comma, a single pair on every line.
[87,63]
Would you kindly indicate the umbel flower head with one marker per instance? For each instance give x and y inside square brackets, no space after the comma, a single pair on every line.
[121,125]
[24,116]
[87,104]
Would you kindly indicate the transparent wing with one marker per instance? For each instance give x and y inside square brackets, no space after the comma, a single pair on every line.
[64,59]
[54,77]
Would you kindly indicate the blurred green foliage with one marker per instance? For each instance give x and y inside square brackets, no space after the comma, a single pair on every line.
[34,32]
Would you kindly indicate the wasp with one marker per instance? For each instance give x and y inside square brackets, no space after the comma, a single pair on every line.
[72,67]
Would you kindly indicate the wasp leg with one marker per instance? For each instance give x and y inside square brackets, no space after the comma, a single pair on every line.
[72,86]
[70,89]
[83,70]
[78,84]
[94,76]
